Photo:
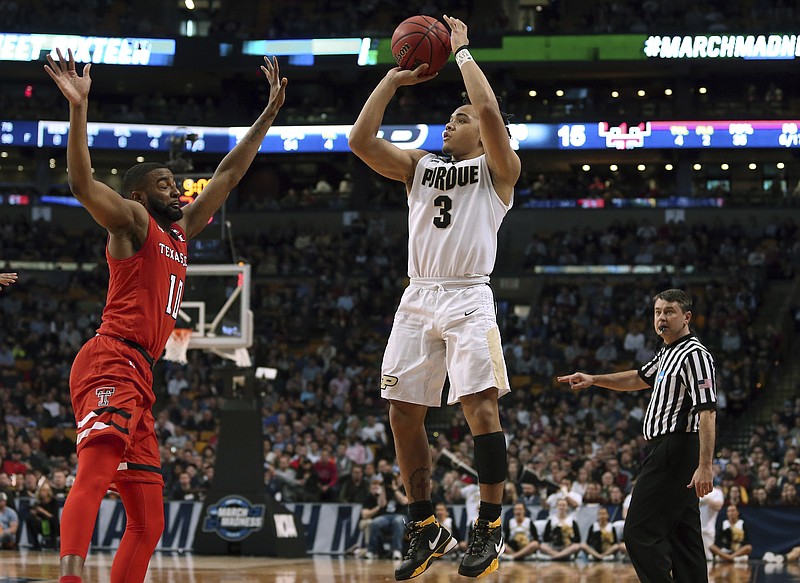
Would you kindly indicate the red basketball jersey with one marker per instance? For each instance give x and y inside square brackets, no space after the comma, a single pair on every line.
[145,290]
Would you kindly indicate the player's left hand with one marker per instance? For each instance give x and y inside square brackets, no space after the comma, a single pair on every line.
[277,85]
[458,32]
[702,480]
[7,279]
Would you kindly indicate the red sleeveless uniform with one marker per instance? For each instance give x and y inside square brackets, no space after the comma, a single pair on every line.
[111,382]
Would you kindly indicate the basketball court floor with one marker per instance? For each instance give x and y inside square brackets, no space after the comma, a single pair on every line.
[32,566]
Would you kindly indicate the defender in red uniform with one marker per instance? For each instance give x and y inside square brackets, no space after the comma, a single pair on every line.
[111,379]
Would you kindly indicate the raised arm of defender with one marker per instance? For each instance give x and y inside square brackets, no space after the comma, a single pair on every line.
[105,205]
[238,160]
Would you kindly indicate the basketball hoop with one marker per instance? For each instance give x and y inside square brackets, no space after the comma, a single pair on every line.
[178,345]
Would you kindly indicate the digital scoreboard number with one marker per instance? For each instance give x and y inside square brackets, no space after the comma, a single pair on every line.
[191,185]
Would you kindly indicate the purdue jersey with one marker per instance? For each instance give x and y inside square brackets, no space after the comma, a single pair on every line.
[454,214]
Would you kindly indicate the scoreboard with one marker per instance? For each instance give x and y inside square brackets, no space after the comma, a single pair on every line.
[681,135]
[698,134]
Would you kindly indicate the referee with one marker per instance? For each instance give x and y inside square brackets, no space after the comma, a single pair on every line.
[662,529]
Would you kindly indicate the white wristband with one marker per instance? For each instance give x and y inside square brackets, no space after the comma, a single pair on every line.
[462,56]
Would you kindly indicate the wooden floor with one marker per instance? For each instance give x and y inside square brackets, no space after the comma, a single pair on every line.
[19,567]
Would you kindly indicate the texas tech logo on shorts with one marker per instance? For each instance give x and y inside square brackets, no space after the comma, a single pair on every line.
[103,393]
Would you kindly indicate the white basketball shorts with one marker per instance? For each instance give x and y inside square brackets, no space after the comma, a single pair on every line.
[443,327]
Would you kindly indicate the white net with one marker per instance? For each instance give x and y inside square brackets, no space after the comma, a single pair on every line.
[178,345]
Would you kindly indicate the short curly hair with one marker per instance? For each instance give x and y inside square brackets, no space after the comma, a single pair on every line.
[136,175]
[506,116]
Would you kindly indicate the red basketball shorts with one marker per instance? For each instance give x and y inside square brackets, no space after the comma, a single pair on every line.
[111,389]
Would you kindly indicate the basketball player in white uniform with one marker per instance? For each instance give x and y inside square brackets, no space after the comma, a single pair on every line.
[446,322]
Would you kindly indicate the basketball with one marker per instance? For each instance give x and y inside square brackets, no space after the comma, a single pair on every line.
[418,40]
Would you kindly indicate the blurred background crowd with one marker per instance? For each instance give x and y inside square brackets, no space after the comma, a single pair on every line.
[323,311]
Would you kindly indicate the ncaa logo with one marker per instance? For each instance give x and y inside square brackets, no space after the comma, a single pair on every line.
[103,393]
[234,518]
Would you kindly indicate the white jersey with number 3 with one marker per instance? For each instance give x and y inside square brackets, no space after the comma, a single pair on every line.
[454,214]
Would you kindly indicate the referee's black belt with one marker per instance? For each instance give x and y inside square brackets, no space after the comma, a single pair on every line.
[136,346]
[653,441]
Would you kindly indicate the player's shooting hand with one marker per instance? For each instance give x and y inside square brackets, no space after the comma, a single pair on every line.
[577,380]
[277,85]
[458,32]
[7,279]
[74,87]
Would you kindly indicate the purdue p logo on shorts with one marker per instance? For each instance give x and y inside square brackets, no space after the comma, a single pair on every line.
[103,393]
[388,381]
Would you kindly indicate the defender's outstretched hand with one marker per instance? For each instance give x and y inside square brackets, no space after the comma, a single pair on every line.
[74,87]
[277,85]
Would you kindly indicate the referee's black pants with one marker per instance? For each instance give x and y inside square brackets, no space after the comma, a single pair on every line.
[662,529]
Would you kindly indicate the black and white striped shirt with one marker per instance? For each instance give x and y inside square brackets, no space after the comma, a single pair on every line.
[683,378]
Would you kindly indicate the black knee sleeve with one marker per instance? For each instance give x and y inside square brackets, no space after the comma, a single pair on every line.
[490,457]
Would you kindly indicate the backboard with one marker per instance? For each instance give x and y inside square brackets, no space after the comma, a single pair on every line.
[216,306]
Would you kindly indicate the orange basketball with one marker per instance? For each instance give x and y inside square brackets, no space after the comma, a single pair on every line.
[418,40]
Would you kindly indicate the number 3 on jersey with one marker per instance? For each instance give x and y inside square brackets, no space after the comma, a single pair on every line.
[175,296]
[445,204]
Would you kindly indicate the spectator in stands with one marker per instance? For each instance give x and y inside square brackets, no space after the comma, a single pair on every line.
[731,543]
[380,521]
[621,477]
[710,505]
[358,452]
[9,523]
[290,489]
[183,489]
[309,481]
[606,353]
[374,431]
[789,495]
[561,538]
[59,485]
[614,505]
[601,541]
[42,521]
[7,488]
[177,383]
[33,457]
[354,489]
[327,474]
[521,537]
[529,495]
[29,488]
[14,465]
[566,493]
[59,445]
[759,497]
